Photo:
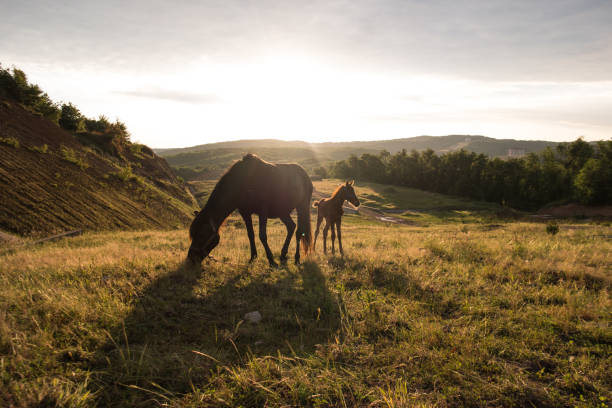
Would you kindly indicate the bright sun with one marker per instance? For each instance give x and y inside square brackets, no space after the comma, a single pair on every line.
[298,97]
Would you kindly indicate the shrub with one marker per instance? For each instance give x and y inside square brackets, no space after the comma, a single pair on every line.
[552,228]
[97,125]
[119,130]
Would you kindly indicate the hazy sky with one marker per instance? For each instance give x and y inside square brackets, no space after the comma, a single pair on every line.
[182,73]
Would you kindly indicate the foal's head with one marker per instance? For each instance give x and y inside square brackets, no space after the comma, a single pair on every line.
[204,237]
[349,193]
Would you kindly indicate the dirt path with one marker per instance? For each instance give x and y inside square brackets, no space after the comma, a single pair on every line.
[8,238]
[381,216]
[577,210]
[369,212]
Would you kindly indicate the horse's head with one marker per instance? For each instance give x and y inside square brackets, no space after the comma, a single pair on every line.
[349,193]
[204,237]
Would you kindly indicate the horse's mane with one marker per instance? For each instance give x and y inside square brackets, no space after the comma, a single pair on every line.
[227,178]
[336,191]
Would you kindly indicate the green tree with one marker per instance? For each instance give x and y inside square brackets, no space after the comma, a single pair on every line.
[321,172]
[71,118]
[575,154]
[49,109]
[28,94]
[594,182]
[8,85]
[15,86]
[341,170]
[373,168]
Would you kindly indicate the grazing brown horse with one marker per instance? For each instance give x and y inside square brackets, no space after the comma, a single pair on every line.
[331,210]
[254,186]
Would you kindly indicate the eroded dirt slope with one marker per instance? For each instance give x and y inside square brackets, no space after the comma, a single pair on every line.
[51,182]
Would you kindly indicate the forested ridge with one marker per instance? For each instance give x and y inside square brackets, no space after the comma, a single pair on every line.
[576,171]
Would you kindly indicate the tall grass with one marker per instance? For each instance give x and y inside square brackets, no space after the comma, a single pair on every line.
[451,315]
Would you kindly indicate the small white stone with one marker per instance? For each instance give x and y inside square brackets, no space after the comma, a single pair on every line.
[253,317]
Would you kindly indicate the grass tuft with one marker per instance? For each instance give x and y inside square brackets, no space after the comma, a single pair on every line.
[10,141]
[71,156]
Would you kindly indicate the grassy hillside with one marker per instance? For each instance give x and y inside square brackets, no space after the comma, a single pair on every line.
[398,199]
[53,181]
[209,160]
[210,164]
[450,315]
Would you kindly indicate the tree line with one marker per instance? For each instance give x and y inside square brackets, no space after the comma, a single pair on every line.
[576,171]
[14,85]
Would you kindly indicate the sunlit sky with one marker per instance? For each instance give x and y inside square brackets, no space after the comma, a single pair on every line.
[184,73]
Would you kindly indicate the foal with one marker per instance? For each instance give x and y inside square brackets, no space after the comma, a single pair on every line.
[331,210]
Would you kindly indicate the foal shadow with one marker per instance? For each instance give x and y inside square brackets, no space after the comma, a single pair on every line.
[190,322]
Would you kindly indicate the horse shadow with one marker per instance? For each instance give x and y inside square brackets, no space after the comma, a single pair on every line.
[190,323]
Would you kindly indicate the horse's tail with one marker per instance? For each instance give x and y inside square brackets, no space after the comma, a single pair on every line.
[303,218]
[304,226]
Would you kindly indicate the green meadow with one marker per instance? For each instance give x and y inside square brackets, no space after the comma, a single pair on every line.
[474,311]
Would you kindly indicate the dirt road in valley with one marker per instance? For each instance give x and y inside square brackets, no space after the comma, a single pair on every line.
[368,212]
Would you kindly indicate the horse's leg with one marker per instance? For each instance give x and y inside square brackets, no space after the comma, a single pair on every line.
[263,236]
[333,237]
[319,220]
[325,229]
[290,228]
[249,226]
[338,225]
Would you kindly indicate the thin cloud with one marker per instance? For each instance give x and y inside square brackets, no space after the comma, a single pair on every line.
[521,66]
[553,40]
[169,95]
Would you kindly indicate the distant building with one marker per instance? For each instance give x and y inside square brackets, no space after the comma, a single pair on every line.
[516,152]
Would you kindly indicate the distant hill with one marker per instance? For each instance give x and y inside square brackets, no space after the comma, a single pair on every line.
[52,180]
[209,160]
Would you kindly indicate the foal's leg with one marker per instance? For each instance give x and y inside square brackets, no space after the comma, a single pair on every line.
[263,236]
[290,228]
[338,225]
[325,229]
[249,226]
[333,237]
[319,220]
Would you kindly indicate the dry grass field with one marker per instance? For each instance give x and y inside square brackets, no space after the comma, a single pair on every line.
[454,314]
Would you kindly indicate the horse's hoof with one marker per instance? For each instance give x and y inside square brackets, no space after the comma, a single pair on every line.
[253,258]
[283,260]
[273,264]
